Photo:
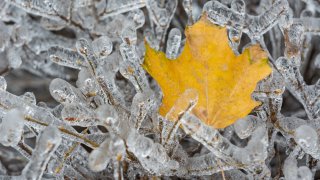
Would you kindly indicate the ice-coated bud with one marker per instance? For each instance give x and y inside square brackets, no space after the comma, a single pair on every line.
[112,148]
[234,39]
[14,58]
[29,97]
[11,128]
[304,173]
[108,115]
[83,46]
[245,126]
[137,16]
[307,138]
[102,46]
[129,35]
[257,146]
[3,83]
[63,92]
[239,6]
[85,49]
[290,168]
[317,61]
[173,43]
[98,160]
[144,145]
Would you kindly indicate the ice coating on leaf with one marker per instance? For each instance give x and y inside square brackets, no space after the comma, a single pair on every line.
[12,127]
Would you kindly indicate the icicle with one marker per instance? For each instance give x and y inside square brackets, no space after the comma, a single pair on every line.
[187,5]
[11,128]
[3,83]
[141,104]
[14,58]
[4,36]
[317,61]
[48,142]
[112,149]
[131,68]
[234,35]
[307,138]
[173,43]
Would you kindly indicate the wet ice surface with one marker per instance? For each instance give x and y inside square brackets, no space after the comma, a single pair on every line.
[100,119]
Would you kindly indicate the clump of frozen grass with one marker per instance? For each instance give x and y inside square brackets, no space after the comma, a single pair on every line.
[107,125]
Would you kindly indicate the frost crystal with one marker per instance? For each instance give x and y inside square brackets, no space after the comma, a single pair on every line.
[93,111]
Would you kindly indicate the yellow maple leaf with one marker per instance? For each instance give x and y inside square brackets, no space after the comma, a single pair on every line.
[207,64]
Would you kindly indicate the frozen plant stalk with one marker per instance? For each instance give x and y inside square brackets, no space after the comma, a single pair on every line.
[47,143]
